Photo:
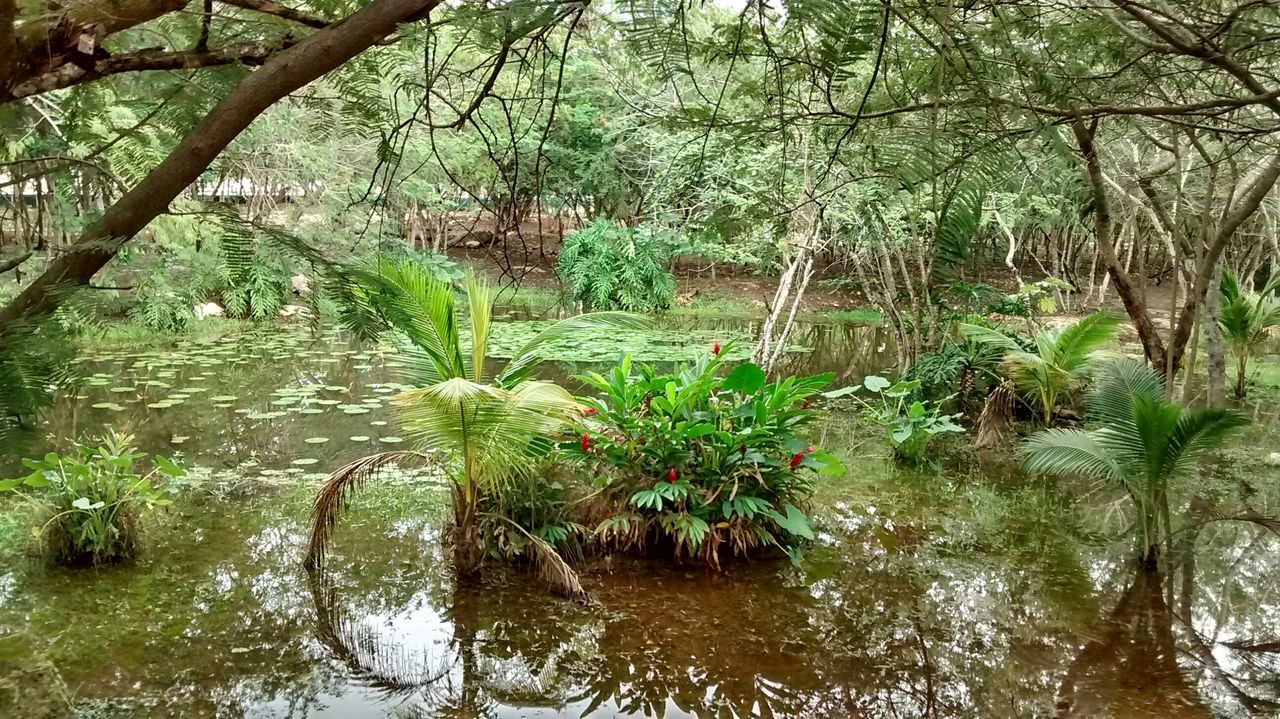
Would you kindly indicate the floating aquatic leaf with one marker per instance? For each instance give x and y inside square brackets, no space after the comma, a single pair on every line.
[310,410]
[391,439]
[223,398]
[108,405]
[356,410]
[303,461]
[360,438]
[122,389]
[378,423]
[316,440]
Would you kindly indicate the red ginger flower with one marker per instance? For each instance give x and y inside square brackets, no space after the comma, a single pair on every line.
[715,349]
[798,457]
[586,441]
[671,474]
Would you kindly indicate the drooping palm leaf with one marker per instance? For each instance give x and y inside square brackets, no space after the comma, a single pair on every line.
[1068,451]
[526,358]
[1075,343]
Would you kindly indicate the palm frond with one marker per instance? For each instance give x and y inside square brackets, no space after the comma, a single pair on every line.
[1082,338]
[1116,384]
[1068,451]
[480,306]
[336,492]
[989,337]
[526,358]
[551,567]
[1197,431]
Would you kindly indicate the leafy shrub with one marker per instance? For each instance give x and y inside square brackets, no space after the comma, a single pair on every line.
[697,461]
[159,307]
[92,499]
[612,267]
[910,423]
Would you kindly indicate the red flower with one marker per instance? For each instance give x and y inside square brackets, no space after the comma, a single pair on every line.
[671,474]
[798,457]
[586,441]
[589,411]
[715,349]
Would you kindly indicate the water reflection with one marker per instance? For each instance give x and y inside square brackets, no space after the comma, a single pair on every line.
[913,603]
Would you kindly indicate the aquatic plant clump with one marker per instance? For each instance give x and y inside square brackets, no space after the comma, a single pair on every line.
[701,463]
[89,501]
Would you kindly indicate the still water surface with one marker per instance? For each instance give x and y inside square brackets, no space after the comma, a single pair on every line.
[959,594]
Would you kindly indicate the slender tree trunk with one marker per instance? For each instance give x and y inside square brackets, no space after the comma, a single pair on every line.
[288,71]
[1216,392]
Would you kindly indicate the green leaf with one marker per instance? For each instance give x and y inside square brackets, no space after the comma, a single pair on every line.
[794,521]
[169,468]
[746,378]
[875,383]
[842,392]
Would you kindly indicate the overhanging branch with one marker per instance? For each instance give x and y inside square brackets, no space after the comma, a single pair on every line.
[70,74]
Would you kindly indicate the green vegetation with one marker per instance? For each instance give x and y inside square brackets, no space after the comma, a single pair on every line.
[611,267]
[490,427]
[700,462]
[90,501]
[909,423]
[1061,357]
[1140,442]
[1246,319]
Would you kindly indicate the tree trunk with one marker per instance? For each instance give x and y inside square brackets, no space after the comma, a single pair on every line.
[292,69]
[1216,390]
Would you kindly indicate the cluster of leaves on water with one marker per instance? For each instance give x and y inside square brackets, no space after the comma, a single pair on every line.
[91,499]
[700,460]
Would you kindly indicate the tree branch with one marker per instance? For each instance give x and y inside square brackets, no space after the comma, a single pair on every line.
[72,74]
[270,7]
[10,264]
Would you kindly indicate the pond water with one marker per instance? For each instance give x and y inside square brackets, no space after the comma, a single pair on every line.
[957,594]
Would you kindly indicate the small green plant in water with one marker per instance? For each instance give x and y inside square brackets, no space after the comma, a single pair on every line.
[1136,440]
[700,463]
[1063,356]
[910,423]
[92,498]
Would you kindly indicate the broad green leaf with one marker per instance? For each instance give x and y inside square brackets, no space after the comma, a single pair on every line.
[746,378]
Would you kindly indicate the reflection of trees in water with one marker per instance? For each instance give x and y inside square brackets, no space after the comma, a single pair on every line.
[1172,646]
[1130,666]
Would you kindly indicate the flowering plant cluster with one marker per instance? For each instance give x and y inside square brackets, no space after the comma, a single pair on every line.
[696,460]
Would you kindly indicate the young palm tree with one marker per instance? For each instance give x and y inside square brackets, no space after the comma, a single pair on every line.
[1246,318]
[1137,440]
[1062,357]
[487,426]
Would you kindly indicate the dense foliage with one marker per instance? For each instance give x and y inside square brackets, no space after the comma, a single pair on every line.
[700,462]
[610,267]
[90,500]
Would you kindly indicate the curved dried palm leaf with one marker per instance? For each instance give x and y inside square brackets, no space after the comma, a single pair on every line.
[336,492]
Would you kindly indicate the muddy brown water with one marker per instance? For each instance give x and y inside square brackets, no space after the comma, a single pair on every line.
[962,593]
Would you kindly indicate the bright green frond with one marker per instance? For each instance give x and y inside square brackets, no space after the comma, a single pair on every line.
[989,337]
[1196,432]
[1068,451]
[1079,340]
[1116,384]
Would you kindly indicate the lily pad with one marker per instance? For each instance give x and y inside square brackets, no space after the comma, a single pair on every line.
[391,439]
[316,440]
[304,461]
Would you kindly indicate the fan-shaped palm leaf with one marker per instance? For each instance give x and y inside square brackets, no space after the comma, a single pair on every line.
[1062,357]
[1137,439]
